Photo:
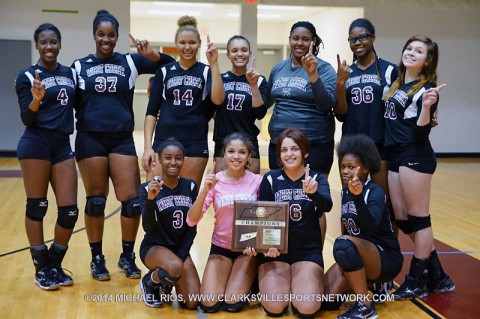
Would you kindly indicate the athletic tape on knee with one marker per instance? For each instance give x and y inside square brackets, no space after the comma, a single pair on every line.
[346,255]
[419,223]
[95,205]
[131,208]
[404,226]
[236,307]
[67,216]
[36,208]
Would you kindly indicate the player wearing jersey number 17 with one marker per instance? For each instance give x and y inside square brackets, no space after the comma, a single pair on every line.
[245,102]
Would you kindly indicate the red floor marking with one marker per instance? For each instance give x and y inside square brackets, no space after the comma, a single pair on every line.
[465,273]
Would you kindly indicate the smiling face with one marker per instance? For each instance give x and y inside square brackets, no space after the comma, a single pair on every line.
[236,155]
[300,40]
[48,47]
[361,48]
[105,39]
[291,154]
[239,53]
[414,56]
[348,167]
[187,43]
[171,160]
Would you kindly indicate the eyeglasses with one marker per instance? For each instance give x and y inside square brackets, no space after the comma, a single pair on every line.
[362,38]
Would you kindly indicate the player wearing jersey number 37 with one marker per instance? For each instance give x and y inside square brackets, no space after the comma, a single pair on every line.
[104,144]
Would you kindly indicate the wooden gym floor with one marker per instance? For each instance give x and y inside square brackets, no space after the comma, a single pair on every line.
[455,208]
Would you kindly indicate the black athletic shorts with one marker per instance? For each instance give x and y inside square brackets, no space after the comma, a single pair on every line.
[392,261]
[315,256]
[145,246]
[192,148]
[92,144]
[37,143]
[419,157]
[217,250]
[219,148]
[320,157]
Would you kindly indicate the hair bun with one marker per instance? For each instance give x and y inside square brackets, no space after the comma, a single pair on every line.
[103,11]
[187,20]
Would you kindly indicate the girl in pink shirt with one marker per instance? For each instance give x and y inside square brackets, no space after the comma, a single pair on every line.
[227,274]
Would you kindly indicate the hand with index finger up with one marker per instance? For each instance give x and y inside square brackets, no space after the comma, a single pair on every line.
[38,88]
[355,185]
[310,63]
[212,52]
[343,70]
[309,184]
[252,74]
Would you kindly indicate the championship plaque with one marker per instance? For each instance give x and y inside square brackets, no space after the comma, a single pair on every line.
[261,225]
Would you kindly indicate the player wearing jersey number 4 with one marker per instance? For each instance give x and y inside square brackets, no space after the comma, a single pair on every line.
[46,95]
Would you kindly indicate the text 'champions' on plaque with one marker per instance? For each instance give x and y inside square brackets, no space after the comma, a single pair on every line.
[261,225]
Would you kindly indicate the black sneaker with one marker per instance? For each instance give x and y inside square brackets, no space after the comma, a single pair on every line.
[166,288]
[380,291]
[360,311]
[98,268]
[62,278]
[151,291]
[44,280]
[410,289]
[442,284]
[127,264]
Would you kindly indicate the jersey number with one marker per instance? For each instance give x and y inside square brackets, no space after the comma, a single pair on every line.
[178,221]
[390,111]
[187,97]
[238,97]
[362,95]
[102,82]
[295,212]
[63,96]
[350,226]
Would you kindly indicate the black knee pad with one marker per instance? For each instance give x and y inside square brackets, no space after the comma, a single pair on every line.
[302,315]
[404,226]
[346,255]
[419,223]
[165,277]
[236,307]
[215,308]
[331,305]
[272,314]
[67,216]
[95,205]
[36,208]
[131,208]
